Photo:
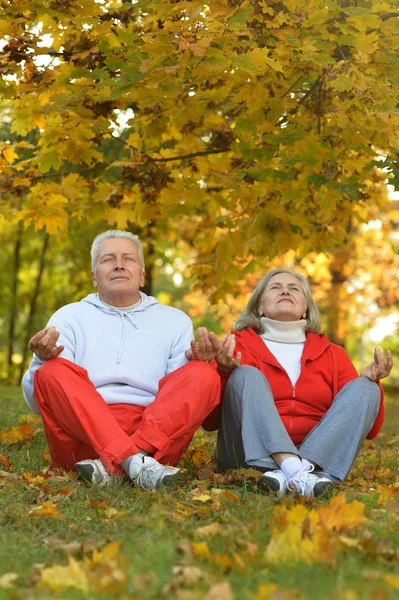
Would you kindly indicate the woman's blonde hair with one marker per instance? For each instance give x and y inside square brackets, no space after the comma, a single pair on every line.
[250,317]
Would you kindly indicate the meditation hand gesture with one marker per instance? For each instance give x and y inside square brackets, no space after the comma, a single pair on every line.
[380,367]
[43,344]
[224,358]
[206,348]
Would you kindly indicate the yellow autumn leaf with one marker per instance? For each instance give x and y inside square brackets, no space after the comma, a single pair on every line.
[290,546]
[108,553]
[264,591]
[22,432]
[202,498]
[392,580]
[10,155]
[71,576]
[201,551]
[339,515]
[387,492]
[47,509]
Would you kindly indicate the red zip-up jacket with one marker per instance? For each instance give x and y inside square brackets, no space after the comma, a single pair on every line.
[325,369]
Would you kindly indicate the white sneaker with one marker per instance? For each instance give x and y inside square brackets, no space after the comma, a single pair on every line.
[274,481]
[309,484]
[93,471]
[148,473]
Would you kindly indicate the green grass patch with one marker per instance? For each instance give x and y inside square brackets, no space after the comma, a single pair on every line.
[206,539]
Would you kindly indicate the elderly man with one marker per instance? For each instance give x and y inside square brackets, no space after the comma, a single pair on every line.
[112,377]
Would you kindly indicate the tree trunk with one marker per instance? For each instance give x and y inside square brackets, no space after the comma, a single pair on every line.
[33,304]
[14,291]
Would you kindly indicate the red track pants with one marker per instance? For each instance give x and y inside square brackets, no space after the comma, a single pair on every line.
[79,424]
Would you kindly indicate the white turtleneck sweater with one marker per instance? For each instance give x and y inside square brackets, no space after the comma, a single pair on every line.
[285,340]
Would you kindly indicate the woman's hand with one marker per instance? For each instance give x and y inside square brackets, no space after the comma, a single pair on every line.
[224,358]
[380,367]
[206,348]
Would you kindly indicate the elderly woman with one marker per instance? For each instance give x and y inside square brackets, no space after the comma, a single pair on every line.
[293,403]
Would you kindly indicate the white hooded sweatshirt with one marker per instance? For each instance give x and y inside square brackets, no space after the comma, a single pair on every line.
[124,353]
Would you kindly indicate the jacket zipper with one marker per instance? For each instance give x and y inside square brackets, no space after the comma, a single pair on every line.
[292,409]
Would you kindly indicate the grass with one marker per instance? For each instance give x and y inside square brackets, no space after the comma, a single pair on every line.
[166,549]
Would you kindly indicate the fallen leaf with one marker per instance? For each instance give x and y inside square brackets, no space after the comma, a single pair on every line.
[339,515]
[210,530]
[46,456]
[33,479]
[392,580]
[23,432]
[110,513]
[184,547]
[73,548]
[71,576]
[206,471]
[220,591]
[264,591]
[187,575]
[201,551]
[5,462]
[7,580]
[98,505]
[228,494]
[47,509]
[202,498]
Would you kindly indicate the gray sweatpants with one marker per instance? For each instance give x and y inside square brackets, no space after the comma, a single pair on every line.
[251,428]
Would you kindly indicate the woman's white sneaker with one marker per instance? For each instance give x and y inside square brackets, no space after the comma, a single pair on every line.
[274,481]
[309,484]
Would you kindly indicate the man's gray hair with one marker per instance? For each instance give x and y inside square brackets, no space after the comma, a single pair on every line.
[250,317]
[115,233]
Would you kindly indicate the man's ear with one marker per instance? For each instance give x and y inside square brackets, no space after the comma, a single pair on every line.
[93,276]
[142,278]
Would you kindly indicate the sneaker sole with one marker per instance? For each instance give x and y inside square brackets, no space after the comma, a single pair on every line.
[87,474]
[270,486]
[169,479]
[323,489]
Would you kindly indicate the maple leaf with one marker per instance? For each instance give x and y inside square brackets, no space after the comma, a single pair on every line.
[71,576]
[47,509]
[17,434]
[340,516]
[9,154]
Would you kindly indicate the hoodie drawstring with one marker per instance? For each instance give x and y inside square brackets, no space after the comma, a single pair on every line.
[122,342]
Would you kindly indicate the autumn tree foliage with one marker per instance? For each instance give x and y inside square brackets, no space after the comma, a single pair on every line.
[251,127]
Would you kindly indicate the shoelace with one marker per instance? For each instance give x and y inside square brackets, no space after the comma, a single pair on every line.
[106,477]
[301,484]
[145,477]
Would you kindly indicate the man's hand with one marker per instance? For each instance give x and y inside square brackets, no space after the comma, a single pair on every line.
[207,346]
[224,358]
[43,344]
[380,367]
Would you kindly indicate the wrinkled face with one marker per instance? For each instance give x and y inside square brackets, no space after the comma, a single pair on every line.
[283,299]
[118,272]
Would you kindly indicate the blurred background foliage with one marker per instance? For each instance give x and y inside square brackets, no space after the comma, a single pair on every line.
[355,287]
